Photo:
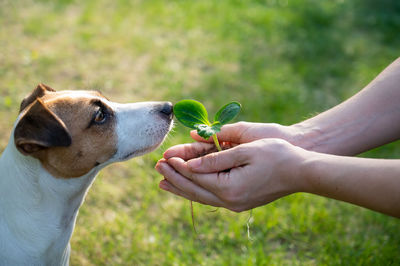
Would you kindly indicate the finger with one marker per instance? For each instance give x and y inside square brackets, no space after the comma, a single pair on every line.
[224,144]
[183,186]
[192,191]
[196,137]
[167,186]
[162,160]
[220,161]
[213,182]
[189,150]
[229,133]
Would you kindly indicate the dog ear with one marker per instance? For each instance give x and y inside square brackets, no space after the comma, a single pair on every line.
[40,128]
[40,90]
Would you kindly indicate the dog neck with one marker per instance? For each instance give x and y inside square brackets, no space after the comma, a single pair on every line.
[37,210]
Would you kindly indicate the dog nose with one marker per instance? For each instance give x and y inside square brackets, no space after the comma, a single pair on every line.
[166,109]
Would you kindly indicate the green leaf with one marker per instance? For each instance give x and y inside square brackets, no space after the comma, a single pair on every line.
[206,131]
[227,112]
[190,113]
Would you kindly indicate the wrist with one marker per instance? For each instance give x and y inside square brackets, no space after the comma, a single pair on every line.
[311,172]
[297,169]
[306,136]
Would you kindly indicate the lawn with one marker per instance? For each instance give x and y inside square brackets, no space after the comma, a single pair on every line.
[284,60]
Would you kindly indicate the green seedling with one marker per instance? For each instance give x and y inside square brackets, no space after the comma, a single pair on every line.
[194,115]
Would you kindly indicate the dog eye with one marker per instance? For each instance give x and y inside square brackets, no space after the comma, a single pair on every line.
[100,117]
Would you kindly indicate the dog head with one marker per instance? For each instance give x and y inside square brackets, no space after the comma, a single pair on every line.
[73,132]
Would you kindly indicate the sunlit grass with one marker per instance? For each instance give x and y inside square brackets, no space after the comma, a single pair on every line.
[283,60]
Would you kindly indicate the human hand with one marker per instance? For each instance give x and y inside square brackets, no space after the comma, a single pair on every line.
[240,178]
[244,132]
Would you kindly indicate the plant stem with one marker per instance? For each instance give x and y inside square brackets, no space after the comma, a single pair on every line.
[216,142]
[192,213]
[191,202]
[248,225]
[251,211]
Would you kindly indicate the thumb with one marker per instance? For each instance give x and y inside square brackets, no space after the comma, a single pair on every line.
[229,133]
[220,161]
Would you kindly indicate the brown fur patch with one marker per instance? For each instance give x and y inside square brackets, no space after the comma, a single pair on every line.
[38,129]
[40,90]
[91,143]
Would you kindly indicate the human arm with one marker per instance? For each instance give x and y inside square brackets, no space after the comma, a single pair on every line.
[256,173]
[367,120]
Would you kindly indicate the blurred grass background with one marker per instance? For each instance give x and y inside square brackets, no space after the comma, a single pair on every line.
[284,60]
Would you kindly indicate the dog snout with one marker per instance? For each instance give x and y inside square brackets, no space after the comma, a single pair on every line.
[166,109]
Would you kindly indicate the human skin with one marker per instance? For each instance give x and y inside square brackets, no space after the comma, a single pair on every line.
[264,162]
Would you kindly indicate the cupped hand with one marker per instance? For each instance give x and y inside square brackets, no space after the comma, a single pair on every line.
[244,132]
[240,178]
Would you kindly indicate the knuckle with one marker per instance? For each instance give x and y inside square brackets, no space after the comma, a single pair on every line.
[242,128]
[272,144]
[201,148]
[242,125]
[240,149]
[187,150]
[280,144]
[222,183]
[241,152]
[275,129]
[211,160]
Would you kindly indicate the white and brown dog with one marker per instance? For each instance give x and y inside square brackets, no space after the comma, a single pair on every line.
[60,141]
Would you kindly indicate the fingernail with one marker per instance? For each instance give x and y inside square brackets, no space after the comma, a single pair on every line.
[195,163]
[165,155]
[163,185]
[159,167]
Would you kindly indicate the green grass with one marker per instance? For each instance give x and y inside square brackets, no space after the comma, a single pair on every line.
[284,60]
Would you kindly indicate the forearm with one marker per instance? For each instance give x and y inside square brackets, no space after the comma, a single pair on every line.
[369,119]
[371,183]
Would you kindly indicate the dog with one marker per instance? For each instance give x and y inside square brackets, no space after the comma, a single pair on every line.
[59,143]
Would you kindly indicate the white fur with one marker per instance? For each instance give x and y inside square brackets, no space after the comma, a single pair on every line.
[138,132]
[38,211]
